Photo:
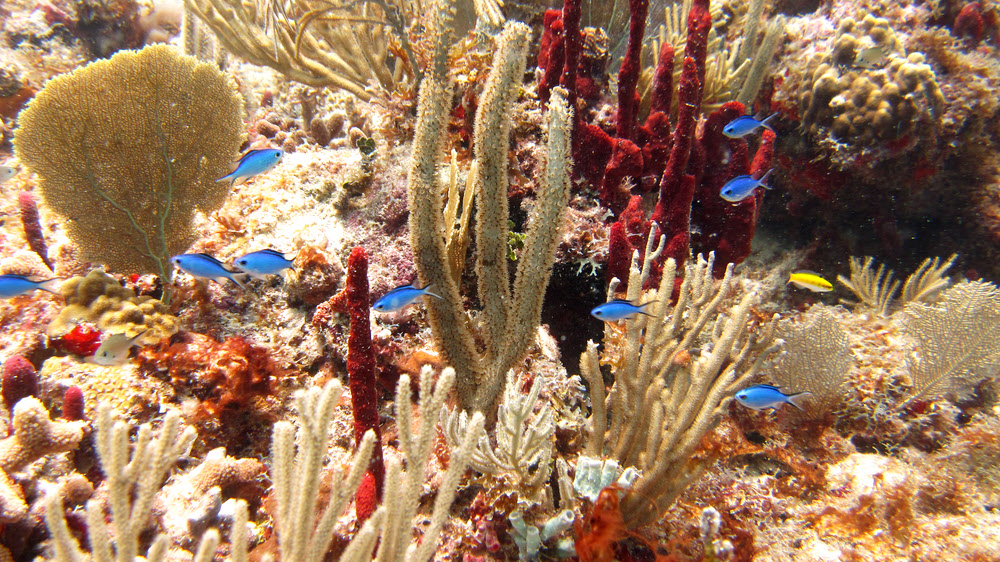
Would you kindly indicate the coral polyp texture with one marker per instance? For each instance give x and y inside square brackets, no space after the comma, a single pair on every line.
[128,149]
[102,301]
[869,105]
[797,201]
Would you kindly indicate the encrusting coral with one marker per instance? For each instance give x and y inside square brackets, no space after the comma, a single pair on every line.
[128,149]
[865,104]
[101,300]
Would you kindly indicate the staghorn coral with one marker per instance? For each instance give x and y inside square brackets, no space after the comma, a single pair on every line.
[128,149]
[869,106]
[100,300]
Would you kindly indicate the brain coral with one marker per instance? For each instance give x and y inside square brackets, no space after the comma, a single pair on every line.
[127,149]
[98,298]
[871,106]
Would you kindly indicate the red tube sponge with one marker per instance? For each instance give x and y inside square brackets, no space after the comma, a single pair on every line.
[361,373]
[19,381]
[73,405]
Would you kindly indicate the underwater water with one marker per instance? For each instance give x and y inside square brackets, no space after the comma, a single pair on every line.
[310,280]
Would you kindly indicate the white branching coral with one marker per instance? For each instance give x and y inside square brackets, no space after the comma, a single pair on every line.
[403,486]
[675,371]
[297,460]
[523,438]
[132,479]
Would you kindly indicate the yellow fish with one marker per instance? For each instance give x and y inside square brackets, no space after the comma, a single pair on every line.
[809,280]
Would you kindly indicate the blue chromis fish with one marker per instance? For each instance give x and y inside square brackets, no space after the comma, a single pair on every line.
[207,267]
[763,396]
[618,309]
[7,172]
[114,349]
[741,187]
[744,125]
[401,296]
[252,163]
[809,280]
[262,263]
[14,285]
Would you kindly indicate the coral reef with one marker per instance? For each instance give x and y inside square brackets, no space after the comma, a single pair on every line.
[522,428]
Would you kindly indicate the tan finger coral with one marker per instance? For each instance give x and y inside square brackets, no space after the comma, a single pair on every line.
[99,298]
[867,99]
[35,435]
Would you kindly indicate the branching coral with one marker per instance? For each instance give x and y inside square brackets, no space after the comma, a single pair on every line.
[132,479]
[34,435]
[524,445]
[337,43]
[510,316]
[675,371]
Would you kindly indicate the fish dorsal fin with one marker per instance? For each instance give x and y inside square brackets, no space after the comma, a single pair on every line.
[622,301]
[806,272]
[407,287]
[272,252]
[769,387]
[248,154]
[212,259]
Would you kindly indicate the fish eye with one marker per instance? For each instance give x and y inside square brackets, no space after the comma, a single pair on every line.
[599,313]
[242,262]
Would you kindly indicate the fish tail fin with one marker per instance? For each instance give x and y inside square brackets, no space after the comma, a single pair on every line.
[51,285]
[766,122]
[795,399]
[763,179]
[240,279]
[427,291]
[226,177]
